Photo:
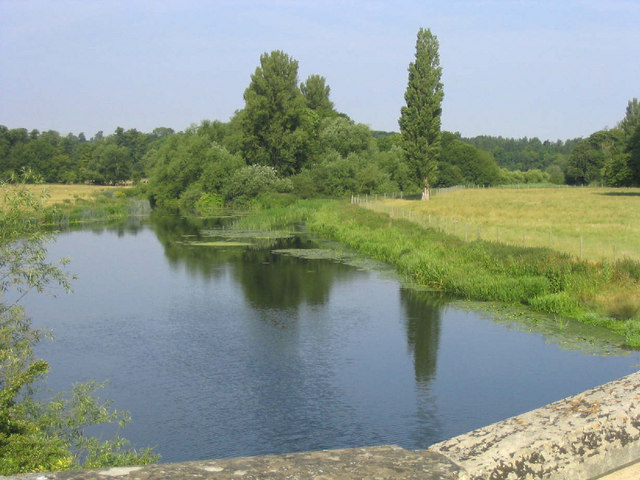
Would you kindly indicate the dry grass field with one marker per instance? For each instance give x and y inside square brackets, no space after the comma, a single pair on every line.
[61,194]
[592,223]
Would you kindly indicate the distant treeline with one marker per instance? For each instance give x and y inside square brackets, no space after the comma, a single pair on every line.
[290,140]
[525,153]
[608,157]
[72,158]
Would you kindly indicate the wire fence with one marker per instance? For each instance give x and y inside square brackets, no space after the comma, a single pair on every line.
[375,197]
[584,247]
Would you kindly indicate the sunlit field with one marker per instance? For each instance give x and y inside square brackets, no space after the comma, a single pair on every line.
[60,194]
[591,223]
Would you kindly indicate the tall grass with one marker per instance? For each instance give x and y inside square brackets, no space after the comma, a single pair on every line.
[279,217]
[100,207]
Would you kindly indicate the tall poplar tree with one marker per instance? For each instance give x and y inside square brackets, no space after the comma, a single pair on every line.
[420,118]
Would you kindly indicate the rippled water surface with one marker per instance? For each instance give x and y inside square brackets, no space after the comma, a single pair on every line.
[228,351]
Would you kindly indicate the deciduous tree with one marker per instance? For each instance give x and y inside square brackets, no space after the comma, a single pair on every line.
[273,132]
[631,119]
[633,148]
[316,94]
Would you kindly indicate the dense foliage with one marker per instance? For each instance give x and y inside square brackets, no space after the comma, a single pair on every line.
[525,153]
[276,123]
[74,159]
[609,156]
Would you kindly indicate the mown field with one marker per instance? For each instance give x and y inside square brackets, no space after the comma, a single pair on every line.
[590,223]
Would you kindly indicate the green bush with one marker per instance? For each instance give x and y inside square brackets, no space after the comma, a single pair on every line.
[248,182]
[209,203]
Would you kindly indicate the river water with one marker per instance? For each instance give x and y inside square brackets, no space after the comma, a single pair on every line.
[240,350]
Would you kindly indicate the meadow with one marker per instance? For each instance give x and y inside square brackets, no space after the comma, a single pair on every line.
[589,223]
[56,194]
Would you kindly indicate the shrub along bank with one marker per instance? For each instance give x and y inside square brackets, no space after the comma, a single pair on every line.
[605,293]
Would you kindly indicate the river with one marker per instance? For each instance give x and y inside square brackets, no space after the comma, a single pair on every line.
[238,350]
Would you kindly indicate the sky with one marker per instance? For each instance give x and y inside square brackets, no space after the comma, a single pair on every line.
[552,69]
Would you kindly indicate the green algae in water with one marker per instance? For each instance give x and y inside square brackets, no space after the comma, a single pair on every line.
[312,253]
[221,238]
[354,259]
[566,333]
[248,234]
[217,244]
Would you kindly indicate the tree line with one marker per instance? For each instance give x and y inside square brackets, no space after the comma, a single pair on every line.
[102,160]
[609,156]
[289,139]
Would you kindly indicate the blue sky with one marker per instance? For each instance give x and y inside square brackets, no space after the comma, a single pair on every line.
[551,69]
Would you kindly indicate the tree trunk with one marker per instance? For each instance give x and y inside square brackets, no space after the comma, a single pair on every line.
[426,191]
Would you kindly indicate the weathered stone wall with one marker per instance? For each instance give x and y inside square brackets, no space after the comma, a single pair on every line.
[580,437]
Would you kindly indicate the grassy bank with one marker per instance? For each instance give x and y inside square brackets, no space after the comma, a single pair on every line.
[589,223]
[603,293]
[64,205]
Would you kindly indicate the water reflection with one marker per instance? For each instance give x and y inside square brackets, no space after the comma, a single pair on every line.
[201,262]
[278,281]
[422,322]
[132,225]
[268,280]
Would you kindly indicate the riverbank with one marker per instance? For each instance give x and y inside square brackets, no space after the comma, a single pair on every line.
[60,206]
[602,293]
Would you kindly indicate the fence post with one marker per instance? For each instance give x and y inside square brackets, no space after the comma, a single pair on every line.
[580,247]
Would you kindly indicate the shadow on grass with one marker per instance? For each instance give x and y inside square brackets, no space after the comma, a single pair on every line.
[621,194]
